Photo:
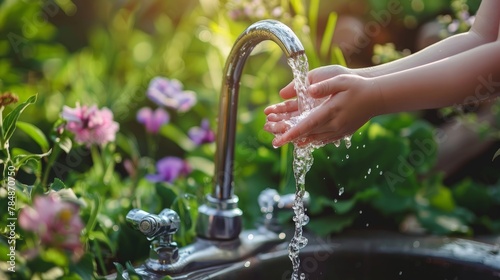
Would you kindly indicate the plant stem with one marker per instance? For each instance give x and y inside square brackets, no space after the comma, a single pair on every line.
[99,257]
[52,158]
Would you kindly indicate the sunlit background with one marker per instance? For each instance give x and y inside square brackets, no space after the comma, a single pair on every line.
[106,53]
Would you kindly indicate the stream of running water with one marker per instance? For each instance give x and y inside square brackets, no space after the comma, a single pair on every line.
[302,161]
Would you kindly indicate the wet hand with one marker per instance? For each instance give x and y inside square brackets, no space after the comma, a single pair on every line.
[347,102]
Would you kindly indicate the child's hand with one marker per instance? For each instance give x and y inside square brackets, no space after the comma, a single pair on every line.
[350,102]
[289,108]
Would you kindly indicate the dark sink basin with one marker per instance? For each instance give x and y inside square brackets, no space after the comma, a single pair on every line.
[375,256]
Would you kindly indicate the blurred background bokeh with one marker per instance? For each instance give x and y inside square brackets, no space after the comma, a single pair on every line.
[429,171]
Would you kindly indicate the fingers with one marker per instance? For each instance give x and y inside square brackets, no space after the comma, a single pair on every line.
[330,86]
[276,127]
[314,120]
[281,116]
[288,91]
[288,106]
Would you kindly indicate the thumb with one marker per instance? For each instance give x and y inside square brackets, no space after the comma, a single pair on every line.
[329,87]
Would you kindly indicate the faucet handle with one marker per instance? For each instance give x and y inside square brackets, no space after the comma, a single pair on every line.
[152,226]
[270,201]
[160,230]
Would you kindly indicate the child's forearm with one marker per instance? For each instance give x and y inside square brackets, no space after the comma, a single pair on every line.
[445,48]
[470,76]
[484,30]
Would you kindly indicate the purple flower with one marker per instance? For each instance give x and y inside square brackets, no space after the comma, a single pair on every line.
[90,125]
[152,120]
[55,221]
[202,134]
[169,93]
[169,169]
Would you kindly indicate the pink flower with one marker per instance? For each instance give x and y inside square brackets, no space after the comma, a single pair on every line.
[202,134]
[152,120]
[90,125]
[169,93]
[169,169]
[55,222]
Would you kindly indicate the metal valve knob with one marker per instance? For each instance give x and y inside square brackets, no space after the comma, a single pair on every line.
[160,230]
[151,225]
[270,202]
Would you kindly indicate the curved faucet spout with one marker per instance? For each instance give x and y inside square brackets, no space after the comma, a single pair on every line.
[220,218]
[263,30]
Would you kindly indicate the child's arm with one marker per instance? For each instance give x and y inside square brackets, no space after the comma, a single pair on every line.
[484,30]
[468,77]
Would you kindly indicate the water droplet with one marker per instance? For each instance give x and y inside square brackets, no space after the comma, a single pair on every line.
[336,143]
[376,166]
[360,211]
[302,276]
[364,146]
[305,220]
[381,172]
[347,156]
[347,140]
[357,147]
[367,224]
[335,200]
[341,191]
[369,170]
[365,176]
[328,157]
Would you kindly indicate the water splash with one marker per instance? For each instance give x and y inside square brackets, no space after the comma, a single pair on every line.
[341,191]
[302,160]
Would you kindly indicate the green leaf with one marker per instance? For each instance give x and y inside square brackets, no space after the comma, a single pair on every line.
[84,268]
[337,56]
[168,196]
[175,134]
[94,211]
[102,237]
[331,224]
[444,222]
[65,144]
[21,159]
[474,196]
[298,7]
[326,42]
[131,272]
[496,155]
[313,17]
[442,198]
[344,206]
[185,205]
[35,133]
[55,256]
[8,126]
[57,185]
[119,271]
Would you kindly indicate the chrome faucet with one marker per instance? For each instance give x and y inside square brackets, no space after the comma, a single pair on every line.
[219,227]
[220,217]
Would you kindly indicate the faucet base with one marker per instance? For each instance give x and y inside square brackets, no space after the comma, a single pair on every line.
[219,219]
[207,255]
